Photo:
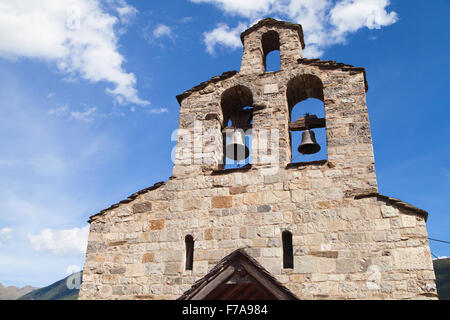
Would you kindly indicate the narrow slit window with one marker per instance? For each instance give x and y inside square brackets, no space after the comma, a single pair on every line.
[288,252]
[189,252]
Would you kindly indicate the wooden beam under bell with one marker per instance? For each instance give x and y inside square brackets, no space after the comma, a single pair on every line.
[307,122]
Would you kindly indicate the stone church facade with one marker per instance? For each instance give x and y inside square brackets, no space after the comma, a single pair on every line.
[346,240]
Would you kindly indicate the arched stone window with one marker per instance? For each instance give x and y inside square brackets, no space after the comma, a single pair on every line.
[237,111]
[288,251]
[305,103]
[270,42]
[189,241]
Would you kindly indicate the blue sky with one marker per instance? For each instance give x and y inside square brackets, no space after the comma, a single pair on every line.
[87,104]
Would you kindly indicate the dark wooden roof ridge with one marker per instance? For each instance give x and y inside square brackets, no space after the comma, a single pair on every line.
[245,168]
[223,76]
[128,200]
[322,64]
[395,202]
[273,22]
[223,264]
[333,65]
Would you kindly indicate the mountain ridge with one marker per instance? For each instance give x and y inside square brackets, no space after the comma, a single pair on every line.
[13,292]
[56,291]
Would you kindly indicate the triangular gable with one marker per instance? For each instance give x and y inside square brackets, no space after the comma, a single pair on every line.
[238,277]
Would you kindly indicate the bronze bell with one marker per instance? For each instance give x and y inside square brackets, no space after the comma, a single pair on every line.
[309,144]
[236,149]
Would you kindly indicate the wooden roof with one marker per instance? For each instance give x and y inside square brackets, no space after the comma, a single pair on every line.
[238,277]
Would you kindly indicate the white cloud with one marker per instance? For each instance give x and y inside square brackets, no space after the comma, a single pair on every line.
[126,13]
[73,241]
[65,111]
[79,37]
[5,235]
[223,35]
[352,15]
[325,22]
[86,116]
[186,19]
[59,111]
[246,8]
[158,111]
[163,30]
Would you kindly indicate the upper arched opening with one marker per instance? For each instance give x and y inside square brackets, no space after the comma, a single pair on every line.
[270,41]
[303,87]
[233,102]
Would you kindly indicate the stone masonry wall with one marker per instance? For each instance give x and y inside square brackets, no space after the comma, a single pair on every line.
[349,142]
[343,248]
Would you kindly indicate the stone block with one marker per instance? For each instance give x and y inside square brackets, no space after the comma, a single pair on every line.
[142,207]
[346,265]
[156,224]
[325,265]
[411,259]
[389,212]
[350,213]
[172,268]
[408,221]
[209,234]
[251,199]
[271,88]
[222,202]
[238,190]
[264,208]
[298,196]
[135,270]
[382,224]
[117,270]
[304,264]
[148,257]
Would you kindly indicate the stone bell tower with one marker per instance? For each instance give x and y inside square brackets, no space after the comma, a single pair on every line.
[274,228]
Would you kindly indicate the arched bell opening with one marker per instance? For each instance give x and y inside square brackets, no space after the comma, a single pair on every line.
[270,42]
[237,108]
[307,125]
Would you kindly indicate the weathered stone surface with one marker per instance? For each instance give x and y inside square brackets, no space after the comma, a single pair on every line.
[411,258]
[304,264]
[264,208]
[156,224]
[148,257]
[271,88]
[142,207]
[222,202]
[389,211]
[238,190]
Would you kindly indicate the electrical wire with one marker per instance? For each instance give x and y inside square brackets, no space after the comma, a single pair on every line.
[447,242]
